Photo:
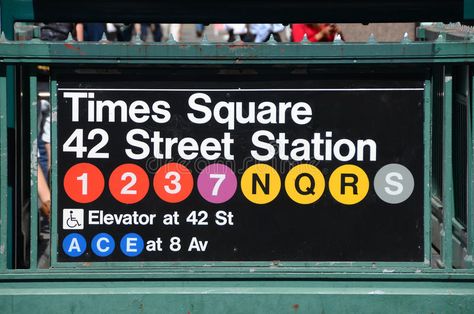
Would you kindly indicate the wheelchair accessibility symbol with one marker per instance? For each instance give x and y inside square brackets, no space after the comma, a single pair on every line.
[73,219]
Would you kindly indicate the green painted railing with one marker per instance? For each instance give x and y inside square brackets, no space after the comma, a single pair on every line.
[443,283]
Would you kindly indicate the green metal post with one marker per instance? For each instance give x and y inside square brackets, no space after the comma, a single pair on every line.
[3,170]
[33,173]
[427,171]
[8,106]
[448,198]
[54,167]
[470,174]
[10,118]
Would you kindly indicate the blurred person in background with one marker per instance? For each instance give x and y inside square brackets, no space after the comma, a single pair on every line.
[236,30]
[173,29]
[90,31]
[200,28]
[55,31]
[318,32]
[142,30]
[44,192]
[262,32]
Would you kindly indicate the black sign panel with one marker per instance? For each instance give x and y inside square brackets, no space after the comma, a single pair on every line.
[258,167]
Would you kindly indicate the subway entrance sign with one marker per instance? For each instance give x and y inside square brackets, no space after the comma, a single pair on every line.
[230,164]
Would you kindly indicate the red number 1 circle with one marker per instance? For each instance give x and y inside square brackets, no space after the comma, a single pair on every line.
[84,183]
[129,183]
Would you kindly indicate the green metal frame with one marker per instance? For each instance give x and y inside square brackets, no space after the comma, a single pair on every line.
[265,287]
[37,52]
[272,288]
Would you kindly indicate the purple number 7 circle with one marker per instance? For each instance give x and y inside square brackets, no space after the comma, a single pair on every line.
[217,183]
